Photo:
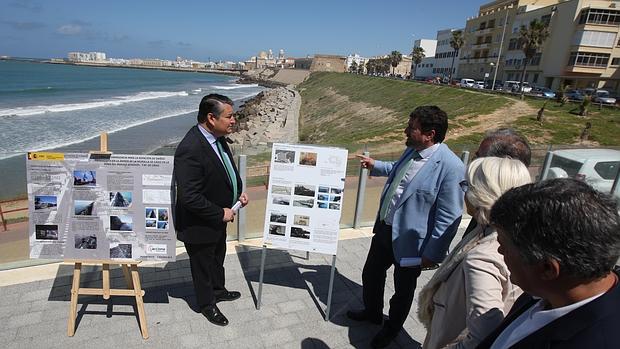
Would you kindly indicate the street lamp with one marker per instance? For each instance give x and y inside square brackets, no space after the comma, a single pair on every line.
[486,75]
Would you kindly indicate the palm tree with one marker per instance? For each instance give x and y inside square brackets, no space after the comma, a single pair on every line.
[371,67]
[353,67]
[531,39]
[416,57]
[395,58]
[456,42]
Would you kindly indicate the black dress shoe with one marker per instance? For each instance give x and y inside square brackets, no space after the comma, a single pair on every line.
[383,338]
[214,315]
[227,296]
[362,315]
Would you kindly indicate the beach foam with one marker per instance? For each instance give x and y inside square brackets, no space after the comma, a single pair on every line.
[234,87]
[116,101]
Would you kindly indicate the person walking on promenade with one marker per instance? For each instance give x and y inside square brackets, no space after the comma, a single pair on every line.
[207,186]
[420,210]
[560,239]
[470,293]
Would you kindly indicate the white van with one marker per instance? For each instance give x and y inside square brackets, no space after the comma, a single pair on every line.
[467,83]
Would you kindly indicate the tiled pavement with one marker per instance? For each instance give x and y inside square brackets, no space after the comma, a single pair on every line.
[34,314]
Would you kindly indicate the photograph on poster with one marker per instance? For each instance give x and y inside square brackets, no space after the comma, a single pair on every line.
[120,250]
[162,225]
[277,217]
[46,231]
[307,203]
[120,198]
[322,204]
[85,241]
[300,233]
[276,229]
[42,202]
[84,207]
[304,190]
[336,191]
[281,189]
[151,223]
[281,200]
[334,206]
[284,156]
[335,198]
[301,220]
[307,158]
[323,189]
[151,212]
[121,223]
[84,178]
[323,197]
[162,214]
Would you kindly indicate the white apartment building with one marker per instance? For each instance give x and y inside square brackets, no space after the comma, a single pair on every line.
[445,55]
[425,68]
[359,60]
[91,57]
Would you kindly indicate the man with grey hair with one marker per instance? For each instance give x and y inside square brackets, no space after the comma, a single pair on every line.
[502,143]
[560,239]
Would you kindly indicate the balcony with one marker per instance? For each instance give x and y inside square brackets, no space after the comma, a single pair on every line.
[484,31]
[585,69]
[481,45]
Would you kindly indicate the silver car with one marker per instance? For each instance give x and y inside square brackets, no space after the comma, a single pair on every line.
[602,96]
[597,167]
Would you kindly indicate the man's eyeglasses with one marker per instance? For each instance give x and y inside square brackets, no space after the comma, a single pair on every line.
[464,186]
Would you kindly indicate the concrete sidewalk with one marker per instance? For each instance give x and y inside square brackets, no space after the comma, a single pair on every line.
[34,304]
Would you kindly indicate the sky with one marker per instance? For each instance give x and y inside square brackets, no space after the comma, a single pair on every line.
[223,30]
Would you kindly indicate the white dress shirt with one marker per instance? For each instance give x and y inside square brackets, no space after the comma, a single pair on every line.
[212,141]
[415,167]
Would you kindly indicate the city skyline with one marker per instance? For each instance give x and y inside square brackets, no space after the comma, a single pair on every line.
[203,31]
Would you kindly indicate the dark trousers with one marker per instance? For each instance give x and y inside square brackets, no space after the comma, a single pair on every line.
[380,259]
[207,265]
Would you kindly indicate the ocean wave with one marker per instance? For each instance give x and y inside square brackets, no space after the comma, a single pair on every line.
[234,87]
[116,101]
[94,134]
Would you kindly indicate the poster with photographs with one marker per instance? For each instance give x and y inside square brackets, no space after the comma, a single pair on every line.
[107,207]
[306,186]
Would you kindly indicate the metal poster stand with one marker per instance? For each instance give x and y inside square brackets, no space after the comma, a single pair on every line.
[130,272]
[262,272]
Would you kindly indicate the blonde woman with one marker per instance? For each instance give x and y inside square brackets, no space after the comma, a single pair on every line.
[470,293]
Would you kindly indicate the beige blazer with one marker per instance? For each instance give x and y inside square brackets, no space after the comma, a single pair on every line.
[474,297]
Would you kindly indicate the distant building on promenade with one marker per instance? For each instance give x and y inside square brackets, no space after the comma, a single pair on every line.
[328,63]
[583,48]
[303,63]
[444,54]
[424,69]
[87,57]
[359,61]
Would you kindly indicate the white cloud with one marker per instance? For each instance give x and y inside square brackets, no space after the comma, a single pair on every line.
[69,29]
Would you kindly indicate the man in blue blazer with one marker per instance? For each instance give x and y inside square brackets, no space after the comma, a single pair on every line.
[420,210]
[560,239]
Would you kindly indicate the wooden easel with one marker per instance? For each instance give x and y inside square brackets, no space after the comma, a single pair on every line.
[130,272]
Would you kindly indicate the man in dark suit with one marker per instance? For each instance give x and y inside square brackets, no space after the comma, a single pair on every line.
[560,239]
[420,211]
[207,186]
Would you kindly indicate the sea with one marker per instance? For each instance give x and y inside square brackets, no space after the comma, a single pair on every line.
[59,107]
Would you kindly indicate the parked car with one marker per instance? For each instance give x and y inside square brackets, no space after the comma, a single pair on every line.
[589,91]
[543,92]
[467,83]
[574,95]
[597,167]
[514,86]
[479,84]
[602,96]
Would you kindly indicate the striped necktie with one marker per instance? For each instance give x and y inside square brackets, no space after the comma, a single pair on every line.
[403,166]
[230,171]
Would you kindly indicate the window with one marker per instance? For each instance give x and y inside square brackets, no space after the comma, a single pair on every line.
[589,59]
[535,80]
[594,38]
[491,23]
[571,167]
[536,59]
[607,170]
[546,19]
[615,61]
[479,40]
[599,16]
[483,26]
[488,39]
[513,44]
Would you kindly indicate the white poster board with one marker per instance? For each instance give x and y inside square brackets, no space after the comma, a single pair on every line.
[106,207]
[304,202]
